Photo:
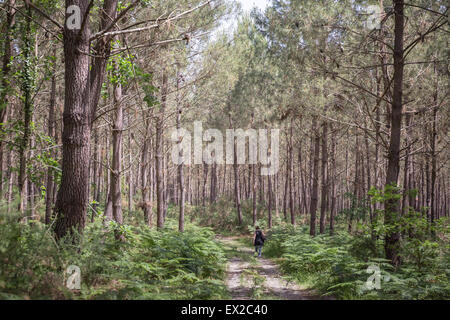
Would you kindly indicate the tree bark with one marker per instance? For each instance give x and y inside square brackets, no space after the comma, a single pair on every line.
[160,203]
[116,167]
[315,178]
[72,197]
[333,180]
[291,173]
[392,239]
[82,91]
[324,173]
[51,133]
[6,69]
[181,165]
[27,85]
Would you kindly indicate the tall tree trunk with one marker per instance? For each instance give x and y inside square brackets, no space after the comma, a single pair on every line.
[333,180]
[116,167]
[269,218]
[205,182]
[324,173]
[97,174]
[130,172]
[5,82]
[108,205]
[355,198]
[72,197]
[286,182]
[315,178]
[160,203]
[368,185]
[291,173]
[51,133]
[146,177]
[236,185]
[254,193]
[392,239]
[433,155]
[82,91]
[27,85]
[213,191]
[406,171]
[180,166]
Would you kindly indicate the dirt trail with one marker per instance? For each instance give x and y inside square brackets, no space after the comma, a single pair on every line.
[250,278]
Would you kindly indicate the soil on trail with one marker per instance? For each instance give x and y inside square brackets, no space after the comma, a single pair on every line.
[250,278]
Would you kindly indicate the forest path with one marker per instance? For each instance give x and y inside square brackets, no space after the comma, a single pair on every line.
[251,278]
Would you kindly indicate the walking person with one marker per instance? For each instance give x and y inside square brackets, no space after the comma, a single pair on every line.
[258,240]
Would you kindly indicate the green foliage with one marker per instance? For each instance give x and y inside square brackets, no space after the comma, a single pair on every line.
[338,265]
[121,68]
[148,264]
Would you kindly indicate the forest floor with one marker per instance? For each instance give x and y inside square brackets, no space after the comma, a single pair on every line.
[252,278]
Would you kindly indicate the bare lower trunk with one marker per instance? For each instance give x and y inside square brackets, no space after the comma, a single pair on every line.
[51,133]
[324,173]
[291,174]
[71,204]
[252,177]
[205,182]
[269,218]
[6,69]
[82,91]
[236,185]
[145,184]
[315,178]
[160,203]
[27,111]
[333,180]
[181,166]
[116,168]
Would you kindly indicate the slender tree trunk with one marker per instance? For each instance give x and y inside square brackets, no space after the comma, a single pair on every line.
[146,177]
[291,173]
[98,169]
[160,203]
[237,195]
[213,191]
[324,173]
[116,194]
[392,239]
[27,85]
[269,218]
[406,171]
[49,192]
[180,166]
[108,205]
[433,156]
[333,180]
[130,172]
[315,185]
[286,182]
[254,192]
[205,182]
[236,185]
[5,82]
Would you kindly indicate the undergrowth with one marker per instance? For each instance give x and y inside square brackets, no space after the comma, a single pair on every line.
[148,264]
[348,266]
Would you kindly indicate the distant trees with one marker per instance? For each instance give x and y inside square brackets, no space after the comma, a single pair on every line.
[333,48]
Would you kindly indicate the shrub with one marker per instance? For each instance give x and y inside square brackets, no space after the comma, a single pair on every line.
[148,264]
[340,265]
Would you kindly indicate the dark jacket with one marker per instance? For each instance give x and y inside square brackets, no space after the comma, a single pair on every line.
[259,239]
